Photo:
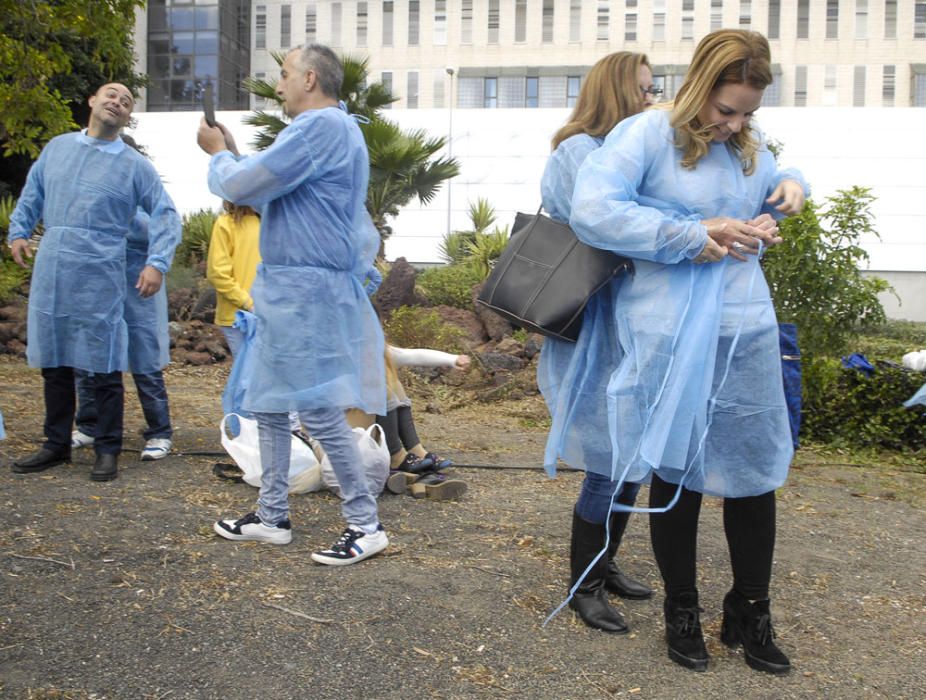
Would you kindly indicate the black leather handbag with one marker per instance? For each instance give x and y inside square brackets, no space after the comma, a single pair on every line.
[545,277]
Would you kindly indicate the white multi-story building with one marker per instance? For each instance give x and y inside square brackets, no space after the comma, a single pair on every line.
[534,53]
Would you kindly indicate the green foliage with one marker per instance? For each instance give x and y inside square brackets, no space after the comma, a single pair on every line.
[450,285]
[197,232]
[814,275]
[52,56]
[417,327]
[846,407]
[403,164]
[892,340]
[477,248]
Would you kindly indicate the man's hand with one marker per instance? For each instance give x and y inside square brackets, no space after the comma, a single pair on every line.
[214,139]
[149,281]
[21,251]
[791,196]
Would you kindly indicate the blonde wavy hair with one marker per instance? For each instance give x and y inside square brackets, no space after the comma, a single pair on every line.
[737,56]
[610,93]
[237,211]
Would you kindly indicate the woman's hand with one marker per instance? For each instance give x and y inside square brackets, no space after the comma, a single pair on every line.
[791,195]
[711,252]
[767,223]
[738,238]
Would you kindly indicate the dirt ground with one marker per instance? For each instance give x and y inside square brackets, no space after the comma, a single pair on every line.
[121,590]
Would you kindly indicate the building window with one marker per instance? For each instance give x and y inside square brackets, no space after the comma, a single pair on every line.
[386,79]
[800,86]
[890,19]
[832,19]
[630,26]
[659,20]
[887,86]
[861,19]
[532,92]
[520,21]
[490,93]
[573,85]
[440,78]
[466,22]
[335,24]
[311,22]
[440,23]
[260,27]
[547,21]
[575,20]
[687,20]
[603,20]
[362,23]
[411,91]
[493,21]
[803,19]
[918,99]
[286,26]
[919,20]
[414,22]
[774,19]
[745,13]
[772,95]
[858,87]
[830,96]
[716,14]
[388,15]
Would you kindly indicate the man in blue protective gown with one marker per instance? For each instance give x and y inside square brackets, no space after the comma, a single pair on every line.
[86,187]
[318,346]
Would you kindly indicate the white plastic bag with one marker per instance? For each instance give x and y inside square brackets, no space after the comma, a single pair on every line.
[915,360]
[244,448]
[374,455]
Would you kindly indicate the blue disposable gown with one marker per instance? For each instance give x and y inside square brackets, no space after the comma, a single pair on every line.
[145,317]
[318,342]
[86,191]
[696,394]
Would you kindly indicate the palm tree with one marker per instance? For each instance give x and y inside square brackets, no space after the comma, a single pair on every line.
[403,164]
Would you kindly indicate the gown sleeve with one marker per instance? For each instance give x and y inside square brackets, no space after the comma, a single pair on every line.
[559,176]
[164,228]
[28,209]
[605,210]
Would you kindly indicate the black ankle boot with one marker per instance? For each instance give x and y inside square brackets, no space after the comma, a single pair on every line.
[590,599]
[750,624]
[683,631]
[615,580]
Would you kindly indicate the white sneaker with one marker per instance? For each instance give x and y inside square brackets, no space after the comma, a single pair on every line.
[354,545]
[79,439]
[251,528]
[156,448]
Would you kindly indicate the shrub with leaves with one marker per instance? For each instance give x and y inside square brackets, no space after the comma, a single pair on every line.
[417,327]
[197,232]
[479,247]
[451,285]
[814,275]
[12,276]
[846,406]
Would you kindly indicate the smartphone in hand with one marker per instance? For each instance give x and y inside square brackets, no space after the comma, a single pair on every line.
[209,106]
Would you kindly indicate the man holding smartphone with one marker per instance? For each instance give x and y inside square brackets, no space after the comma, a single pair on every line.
[318,346]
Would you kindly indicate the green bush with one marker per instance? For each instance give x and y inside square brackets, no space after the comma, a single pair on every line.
[846,406]
[417,327]
[451,285]
[814,274]
[891,340]
[197,231]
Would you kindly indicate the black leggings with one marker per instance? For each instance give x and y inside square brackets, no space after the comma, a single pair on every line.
[749,524]
[399,427]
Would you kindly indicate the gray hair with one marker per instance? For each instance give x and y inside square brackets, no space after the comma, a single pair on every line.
[327,67]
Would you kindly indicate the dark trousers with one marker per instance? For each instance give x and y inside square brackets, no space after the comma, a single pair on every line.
[749,524]
[399,428]
[152,394]
[60,403]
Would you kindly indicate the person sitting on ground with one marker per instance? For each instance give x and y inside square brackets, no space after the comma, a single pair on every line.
[411,465]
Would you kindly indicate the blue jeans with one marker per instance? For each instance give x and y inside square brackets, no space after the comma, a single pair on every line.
[152,394]
[595,497]
[329,427]
[234,338]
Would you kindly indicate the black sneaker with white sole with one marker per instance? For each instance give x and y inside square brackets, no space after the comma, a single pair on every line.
[250,528]
[353,545]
